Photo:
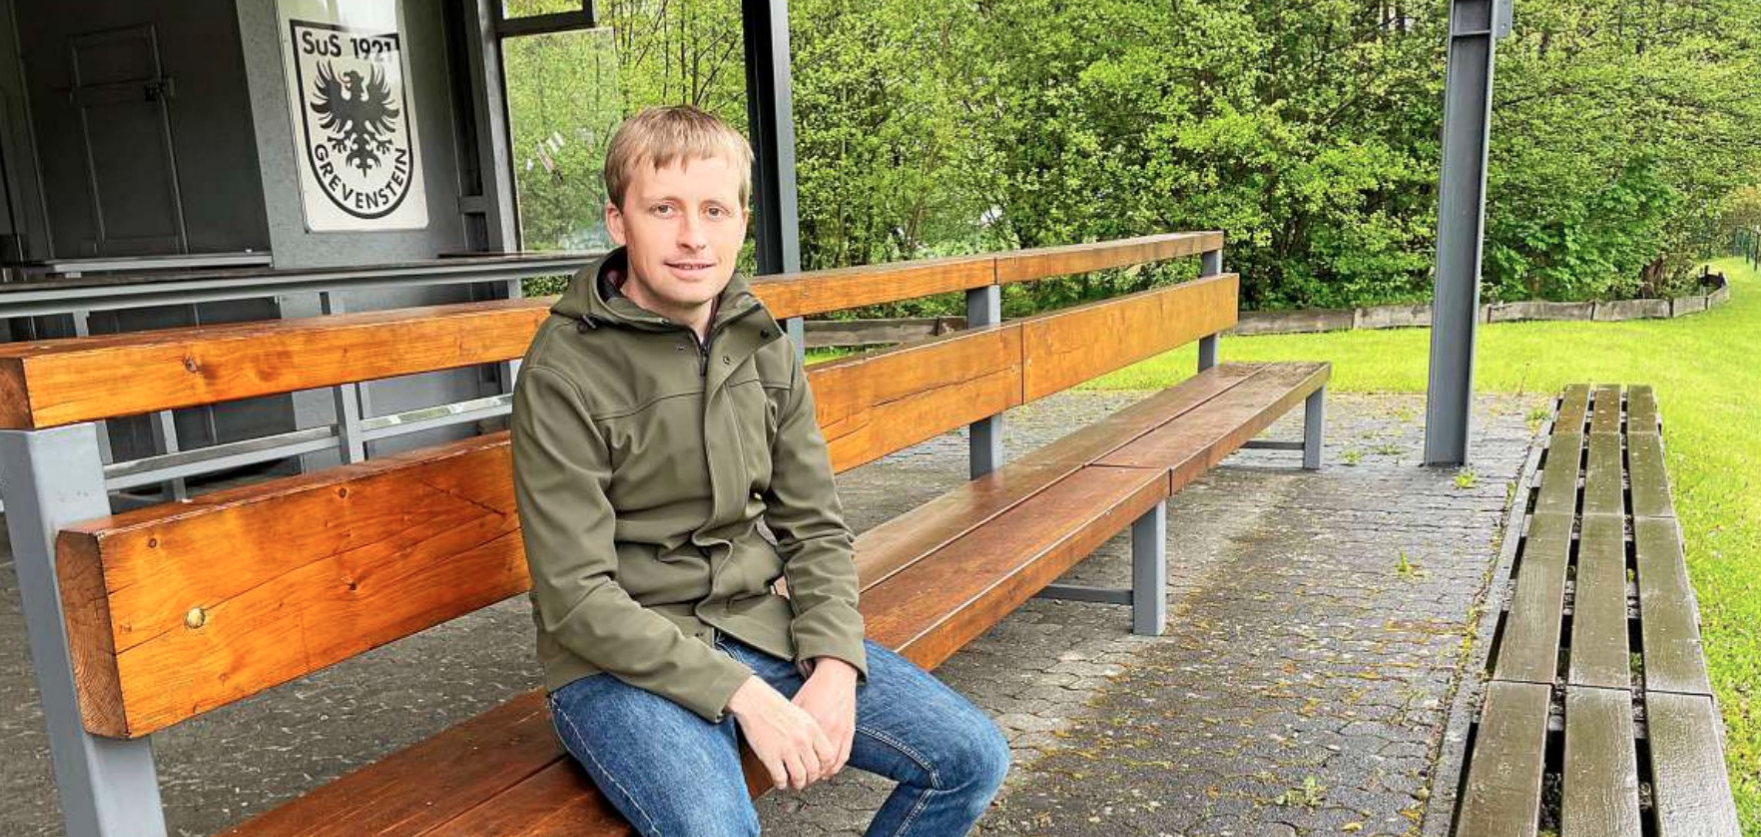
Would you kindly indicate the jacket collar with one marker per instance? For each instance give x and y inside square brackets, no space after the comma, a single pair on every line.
[592,300]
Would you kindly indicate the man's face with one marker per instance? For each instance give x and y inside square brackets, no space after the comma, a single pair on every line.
[682,225]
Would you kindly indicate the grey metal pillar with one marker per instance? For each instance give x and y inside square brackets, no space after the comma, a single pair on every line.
[489,123]
[1210,264]
[1149,571]
[770,110]
[51,478]
[1474,27]
[984,306]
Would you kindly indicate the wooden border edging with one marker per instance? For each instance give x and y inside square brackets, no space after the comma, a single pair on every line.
[1419,316]
[852,333]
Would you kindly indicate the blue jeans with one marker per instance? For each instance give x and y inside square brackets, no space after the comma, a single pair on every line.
[672,773]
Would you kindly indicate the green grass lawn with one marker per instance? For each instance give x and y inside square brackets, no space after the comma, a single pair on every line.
[1707,371]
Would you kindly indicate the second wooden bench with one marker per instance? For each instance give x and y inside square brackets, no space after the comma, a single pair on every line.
[1598,718]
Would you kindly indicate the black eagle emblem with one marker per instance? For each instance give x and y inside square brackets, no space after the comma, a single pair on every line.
[359,116]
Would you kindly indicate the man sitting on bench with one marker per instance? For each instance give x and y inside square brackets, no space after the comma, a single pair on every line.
[660,413]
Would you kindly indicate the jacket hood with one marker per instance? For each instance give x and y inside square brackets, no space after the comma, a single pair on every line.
[586,299]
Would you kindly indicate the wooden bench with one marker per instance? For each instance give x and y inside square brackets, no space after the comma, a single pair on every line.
[174,610]
[1598,720]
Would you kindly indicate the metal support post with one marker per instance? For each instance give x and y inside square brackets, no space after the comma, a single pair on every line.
[52,478]
[796,328]
[1210,264]
[165,441]
[349,439]
[1314,415]
[1207,352]
[770,115]
[508,372]
[82,327]
[1149,571]
[1474,26]
[984,306]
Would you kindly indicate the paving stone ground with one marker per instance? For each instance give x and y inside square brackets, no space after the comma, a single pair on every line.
[1316,620]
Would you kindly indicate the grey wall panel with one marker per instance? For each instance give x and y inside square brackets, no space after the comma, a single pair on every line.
[292,244]
[209,115]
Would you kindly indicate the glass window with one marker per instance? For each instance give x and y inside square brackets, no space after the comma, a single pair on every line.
[563,104]
[511,9]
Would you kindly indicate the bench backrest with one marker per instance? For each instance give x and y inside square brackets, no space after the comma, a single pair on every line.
[176,609]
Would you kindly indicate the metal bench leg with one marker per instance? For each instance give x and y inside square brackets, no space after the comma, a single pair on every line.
[53,478]
[1313,417]
[1149,571]
[1148,595]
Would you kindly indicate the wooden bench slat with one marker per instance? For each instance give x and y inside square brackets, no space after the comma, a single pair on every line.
[898,542]
[405,794]
[1574,406]
[1090,443]
[821,291]
[894,544]
[410,541]
[1605,415]
[73,380]
[1599,653]
[1604,484]
[1060,349]
[1559,480]
[1641,410]
[1529,650]
[1688,772]
[1503,793]
[871,405]
[1225,423]
[558,801]
[936,606]
[1669,625]
[1601,783]
[1045,262]
[1650,481]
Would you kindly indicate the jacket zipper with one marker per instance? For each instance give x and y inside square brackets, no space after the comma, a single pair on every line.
[703,346]
[702,354]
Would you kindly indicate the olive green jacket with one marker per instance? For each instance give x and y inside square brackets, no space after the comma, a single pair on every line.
[644,459]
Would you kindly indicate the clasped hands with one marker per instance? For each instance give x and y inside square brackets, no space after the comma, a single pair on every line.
[803,740]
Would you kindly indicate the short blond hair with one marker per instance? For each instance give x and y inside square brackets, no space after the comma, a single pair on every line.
[660,136]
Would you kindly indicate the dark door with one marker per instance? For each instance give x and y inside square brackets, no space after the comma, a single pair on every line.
[120,96]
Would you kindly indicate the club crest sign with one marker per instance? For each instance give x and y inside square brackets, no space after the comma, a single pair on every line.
[353,116]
